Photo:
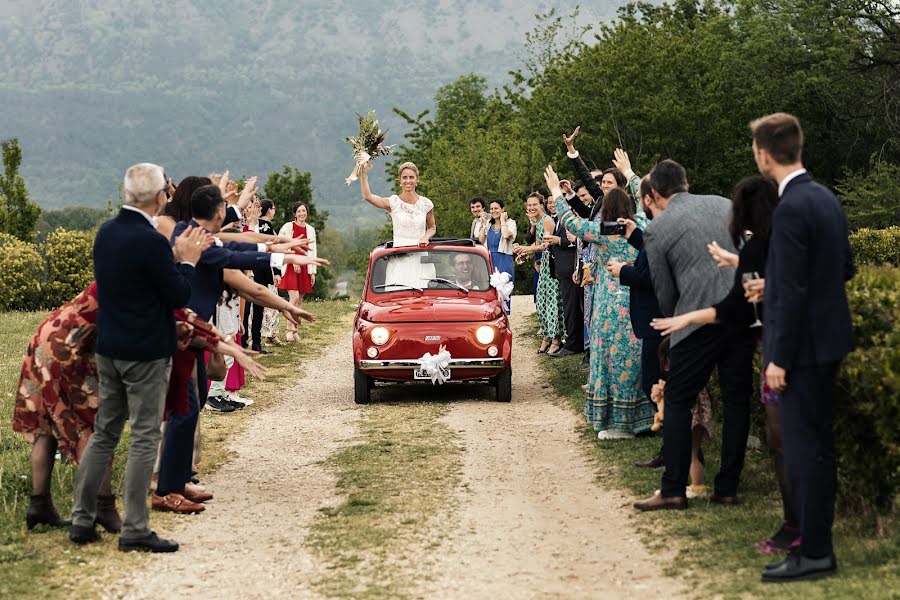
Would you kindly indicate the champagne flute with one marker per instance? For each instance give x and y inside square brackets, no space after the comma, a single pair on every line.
[745,278]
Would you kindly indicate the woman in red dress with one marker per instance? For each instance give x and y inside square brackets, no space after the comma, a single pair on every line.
[298,280]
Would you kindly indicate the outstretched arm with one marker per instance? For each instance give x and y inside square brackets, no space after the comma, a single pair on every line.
[368,196]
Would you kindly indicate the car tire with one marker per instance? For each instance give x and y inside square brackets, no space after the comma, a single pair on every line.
[362,387]
[503,384]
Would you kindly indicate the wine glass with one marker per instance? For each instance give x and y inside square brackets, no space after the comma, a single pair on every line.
[746,277]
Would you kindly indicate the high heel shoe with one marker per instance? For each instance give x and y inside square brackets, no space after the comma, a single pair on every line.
[107,515]
[544,345]
[554,347]
[42,512]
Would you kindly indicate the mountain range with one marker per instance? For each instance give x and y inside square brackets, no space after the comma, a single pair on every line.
[92,86]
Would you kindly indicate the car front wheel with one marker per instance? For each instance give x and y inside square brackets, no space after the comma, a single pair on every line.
[362,387]
[503,383]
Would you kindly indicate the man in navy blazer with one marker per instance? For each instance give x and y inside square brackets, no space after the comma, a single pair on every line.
[138,288]
[208,210]
[807,333]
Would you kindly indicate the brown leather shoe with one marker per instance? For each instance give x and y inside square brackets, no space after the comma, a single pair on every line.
[195,493]
[726,500]
[659,502]
[175,503]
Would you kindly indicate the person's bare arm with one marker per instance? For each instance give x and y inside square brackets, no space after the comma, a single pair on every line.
[368,196]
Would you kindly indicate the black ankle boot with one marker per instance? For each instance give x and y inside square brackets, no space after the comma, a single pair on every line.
[107,515]
[41,511]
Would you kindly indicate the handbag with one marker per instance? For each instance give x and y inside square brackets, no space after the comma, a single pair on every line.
[215,368]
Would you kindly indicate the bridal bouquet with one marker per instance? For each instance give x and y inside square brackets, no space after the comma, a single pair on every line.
[367,145]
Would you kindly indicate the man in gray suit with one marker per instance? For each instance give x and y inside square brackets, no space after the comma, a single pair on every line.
[685,278]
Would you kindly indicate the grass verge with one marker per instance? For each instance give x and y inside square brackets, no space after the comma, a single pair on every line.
[44,563]
[398,480]
[715,554]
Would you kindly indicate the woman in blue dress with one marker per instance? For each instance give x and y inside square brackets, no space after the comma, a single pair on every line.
[616,406]
[499,237]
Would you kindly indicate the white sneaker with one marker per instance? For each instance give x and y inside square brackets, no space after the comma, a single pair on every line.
[235,398]
[612,434]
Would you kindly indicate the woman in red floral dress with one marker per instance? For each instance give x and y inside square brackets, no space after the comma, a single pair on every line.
[58,395]
[298,280]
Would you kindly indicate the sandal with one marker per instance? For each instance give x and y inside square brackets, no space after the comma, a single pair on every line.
[544,345]
[554,348]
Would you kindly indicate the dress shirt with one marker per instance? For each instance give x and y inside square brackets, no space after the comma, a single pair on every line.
[784,182]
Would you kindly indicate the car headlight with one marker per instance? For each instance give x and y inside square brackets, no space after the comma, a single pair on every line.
[379,336]
[484,334]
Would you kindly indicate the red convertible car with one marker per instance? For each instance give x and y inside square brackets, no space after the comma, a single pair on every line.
[418,299]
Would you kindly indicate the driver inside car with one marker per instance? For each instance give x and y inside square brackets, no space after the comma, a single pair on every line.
[462,271]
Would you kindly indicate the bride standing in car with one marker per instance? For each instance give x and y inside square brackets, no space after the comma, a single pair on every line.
[412,217]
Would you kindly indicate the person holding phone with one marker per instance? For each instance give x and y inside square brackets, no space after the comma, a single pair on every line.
[616,405]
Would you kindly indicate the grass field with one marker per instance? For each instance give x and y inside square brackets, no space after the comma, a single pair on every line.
[715,542]
[43,563]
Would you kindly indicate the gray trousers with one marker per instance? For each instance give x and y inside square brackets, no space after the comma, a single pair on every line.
[133,391]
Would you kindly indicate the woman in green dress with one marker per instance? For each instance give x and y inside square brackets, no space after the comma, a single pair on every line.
[616,406]
[549,299]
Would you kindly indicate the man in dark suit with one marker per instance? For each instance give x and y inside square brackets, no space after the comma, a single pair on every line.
[208,209]
[564,255]
[807,332]
[642,303]
[138,288]
[686,279]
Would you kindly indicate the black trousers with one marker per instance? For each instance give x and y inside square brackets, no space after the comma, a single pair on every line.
[806,409]
[573,313]
[650,371]
[255,326]
[691,362]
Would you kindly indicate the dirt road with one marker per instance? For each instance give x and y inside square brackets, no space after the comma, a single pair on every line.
[533,520]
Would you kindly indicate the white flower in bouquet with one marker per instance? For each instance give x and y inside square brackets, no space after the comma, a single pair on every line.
[368,145]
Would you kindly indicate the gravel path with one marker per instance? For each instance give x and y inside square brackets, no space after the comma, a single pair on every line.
[249,543]
[535,522]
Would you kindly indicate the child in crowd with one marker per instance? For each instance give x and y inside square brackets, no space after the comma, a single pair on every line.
[228,322]
[700,424]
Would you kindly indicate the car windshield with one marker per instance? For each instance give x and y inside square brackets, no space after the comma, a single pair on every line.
[430,270]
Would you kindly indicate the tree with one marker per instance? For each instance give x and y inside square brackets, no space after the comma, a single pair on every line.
[18,214]
[287,188]
[871,196]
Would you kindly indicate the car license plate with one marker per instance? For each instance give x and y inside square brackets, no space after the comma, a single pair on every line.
[423,374]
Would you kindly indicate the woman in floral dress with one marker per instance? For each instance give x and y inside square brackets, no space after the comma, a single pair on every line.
[616,406]
[58,395]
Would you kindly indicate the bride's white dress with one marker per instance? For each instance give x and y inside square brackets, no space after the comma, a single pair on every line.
[409,226]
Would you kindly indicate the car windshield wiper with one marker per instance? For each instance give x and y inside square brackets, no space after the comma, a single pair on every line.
[448,282]
[400,285]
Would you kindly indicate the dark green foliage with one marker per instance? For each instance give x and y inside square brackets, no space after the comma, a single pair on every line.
[287,188]
[876,246]
[871,196]
[76,218]
[18,214]
[869,393]
[21,273]
[69,265]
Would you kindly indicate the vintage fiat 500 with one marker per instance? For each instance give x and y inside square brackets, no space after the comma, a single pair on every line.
[418,299]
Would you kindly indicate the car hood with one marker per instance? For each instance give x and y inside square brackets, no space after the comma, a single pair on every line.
[424,308]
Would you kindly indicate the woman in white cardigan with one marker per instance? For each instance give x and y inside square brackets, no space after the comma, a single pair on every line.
[499,237]
[298,280]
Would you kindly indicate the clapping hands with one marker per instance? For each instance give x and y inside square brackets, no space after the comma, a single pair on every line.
[569,140]
[190,244]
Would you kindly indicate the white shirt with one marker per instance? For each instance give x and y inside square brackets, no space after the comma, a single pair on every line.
[151,220]
[790,177]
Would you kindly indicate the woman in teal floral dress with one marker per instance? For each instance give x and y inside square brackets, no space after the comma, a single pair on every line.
[616,406]
[549,299]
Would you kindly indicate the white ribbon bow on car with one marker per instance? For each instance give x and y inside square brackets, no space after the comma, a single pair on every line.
[436,365]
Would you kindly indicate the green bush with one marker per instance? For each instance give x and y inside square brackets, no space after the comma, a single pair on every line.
[69,265]
[876,246]
[21,271]
[868,407]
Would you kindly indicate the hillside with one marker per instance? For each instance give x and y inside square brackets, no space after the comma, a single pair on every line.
[91,86]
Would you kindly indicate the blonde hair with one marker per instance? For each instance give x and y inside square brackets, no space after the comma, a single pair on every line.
[142,183]
[408,165]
